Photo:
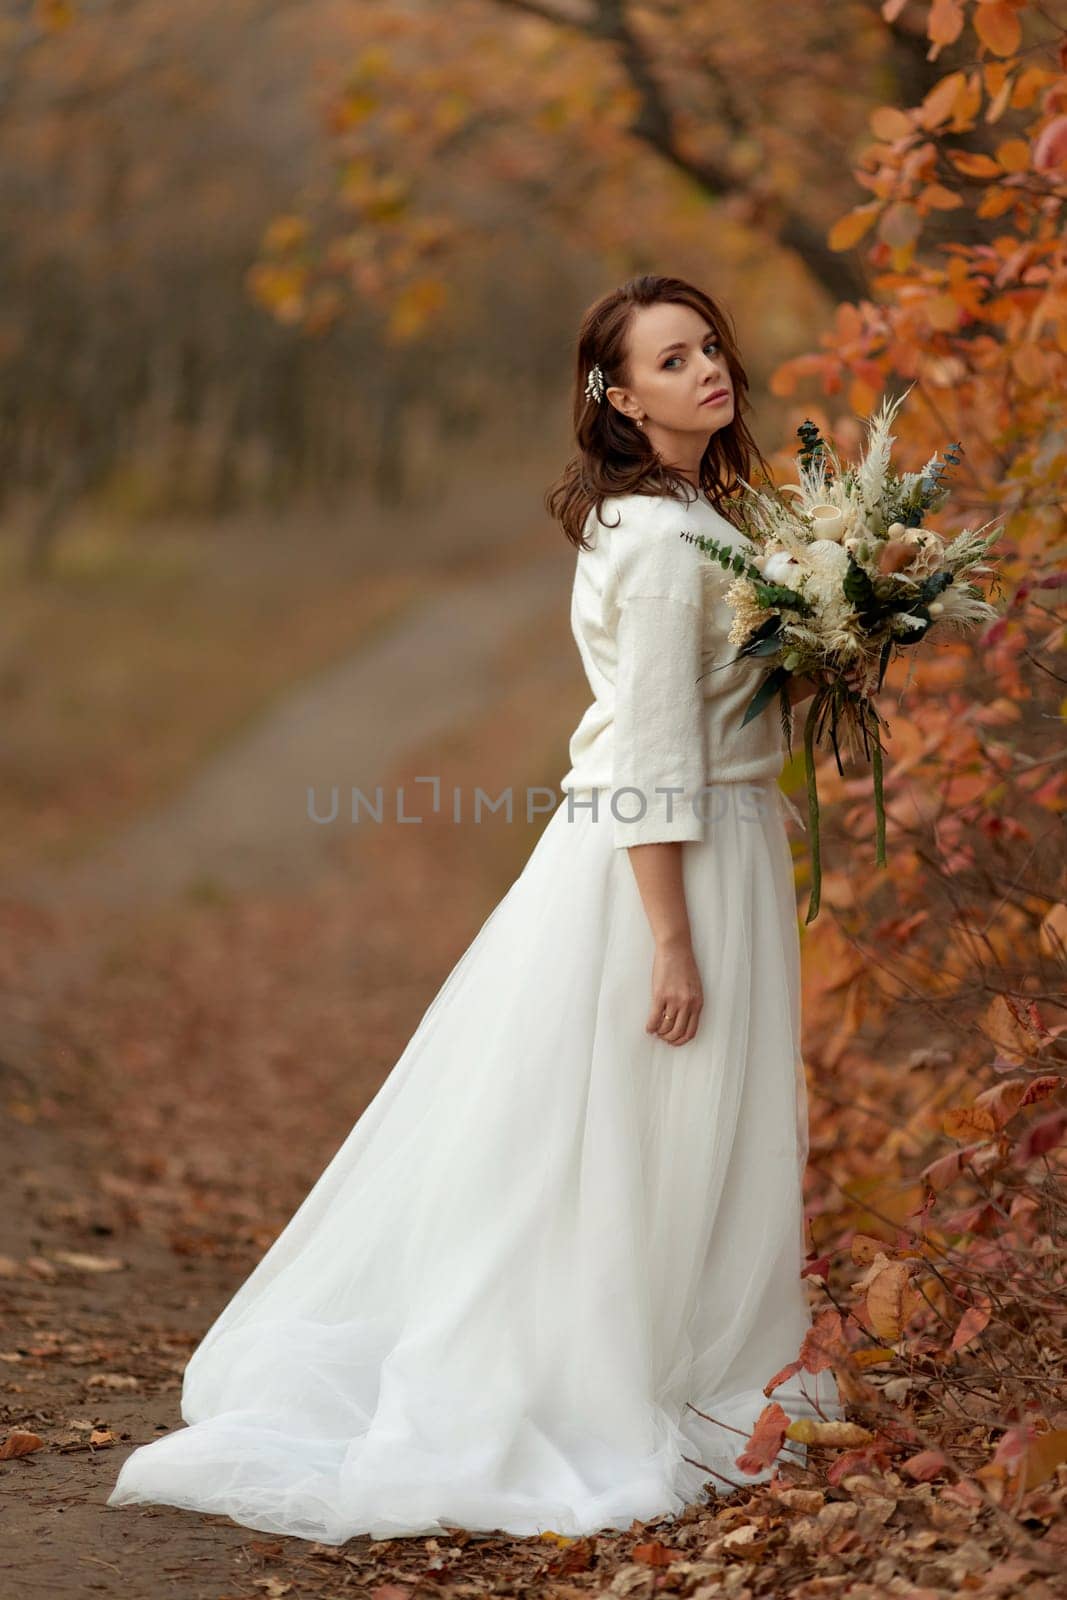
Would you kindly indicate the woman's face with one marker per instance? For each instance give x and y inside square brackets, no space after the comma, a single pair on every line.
[679,379]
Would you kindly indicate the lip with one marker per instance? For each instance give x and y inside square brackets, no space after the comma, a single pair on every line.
[715,395]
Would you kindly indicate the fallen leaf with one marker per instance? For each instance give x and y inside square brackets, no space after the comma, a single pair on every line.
[654,1554]
[926,1465]
[765,1440]
[20,1442]
[836,1435]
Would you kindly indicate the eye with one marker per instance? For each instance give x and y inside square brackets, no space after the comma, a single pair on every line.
[707,342]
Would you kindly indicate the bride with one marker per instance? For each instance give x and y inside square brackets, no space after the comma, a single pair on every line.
[544,1279]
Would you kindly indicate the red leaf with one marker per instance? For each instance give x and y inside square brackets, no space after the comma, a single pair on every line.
[971,1324]
[780,1377]
[766,1439]
[926,1465]
[850,1461]
[1044,1136]
[940,1173]
[823,1340]
[1040,1089]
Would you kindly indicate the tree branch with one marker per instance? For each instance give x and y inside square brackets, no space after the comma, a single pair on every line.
[840,275]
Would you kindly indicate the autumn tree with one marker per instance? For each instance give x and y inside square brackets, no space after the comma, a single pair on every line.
[620,124]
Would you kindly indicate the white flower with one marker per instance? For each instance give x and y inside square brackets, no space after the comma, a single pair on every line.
[826,555]
[780,567]
[895,530]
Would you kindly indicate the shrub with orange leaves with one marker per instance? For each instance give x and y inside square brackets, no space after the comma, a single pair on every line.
[935,998]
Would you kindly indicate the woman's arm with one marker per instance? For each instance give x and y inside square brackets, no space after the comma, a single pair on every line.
[658,763]
[677,992]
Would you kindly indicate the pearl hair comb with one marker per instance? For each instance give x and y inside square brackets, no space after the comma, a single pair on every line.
[594,384]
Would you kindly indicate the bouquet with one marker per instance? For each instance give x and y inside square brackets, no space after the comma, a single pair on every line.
[845,575]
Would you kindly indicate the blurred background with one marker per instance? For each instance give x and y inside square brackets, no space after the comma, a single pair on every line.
[291,289]
[292,293]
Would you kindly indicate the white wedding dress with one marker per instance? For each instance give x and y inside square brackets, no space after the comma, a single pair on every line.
[552,1239]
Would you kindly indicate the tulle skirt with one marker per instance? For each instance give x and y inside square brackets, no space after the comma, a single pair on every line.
[549,1243]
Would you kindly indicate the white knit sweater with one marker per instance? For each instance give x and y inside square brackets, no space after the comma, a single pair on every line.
[649,616]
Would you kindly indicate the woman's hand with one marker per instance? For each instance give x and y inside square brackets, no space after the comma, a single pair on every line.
[677,992]
[800,687]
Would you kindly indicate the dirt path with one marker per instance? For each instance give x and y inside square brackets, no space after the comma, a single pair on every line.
[244,822]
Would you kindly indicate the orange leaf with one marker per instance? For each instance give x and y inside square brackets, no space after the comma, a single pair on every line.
[973,164]
[20,1442]
[886,1301]
[1028,85]
[943,312]
[849,229]
[1005,1027]
[997,25]
[654,1554]
[995,202]
[765,1440]
[935,197]
[963,1122]
[945,22]
[1014,155]
[890,123]
[1003,1100]
[1045,1453]
[1026,1457]
[865,1248]
[940,103]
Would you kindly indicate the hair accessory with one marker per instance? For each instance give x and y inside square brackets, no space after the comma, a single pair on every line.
[594,383]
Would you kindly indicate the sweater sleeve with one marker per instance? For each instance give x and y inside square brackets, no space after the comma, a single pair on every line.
[659,756]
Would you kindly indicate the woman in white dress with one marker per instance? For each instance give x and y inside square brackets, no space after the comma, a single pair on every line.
[544,1279]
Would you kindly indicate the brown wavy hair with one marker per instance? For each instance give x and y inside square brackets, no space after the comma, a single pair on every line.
[614,455]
